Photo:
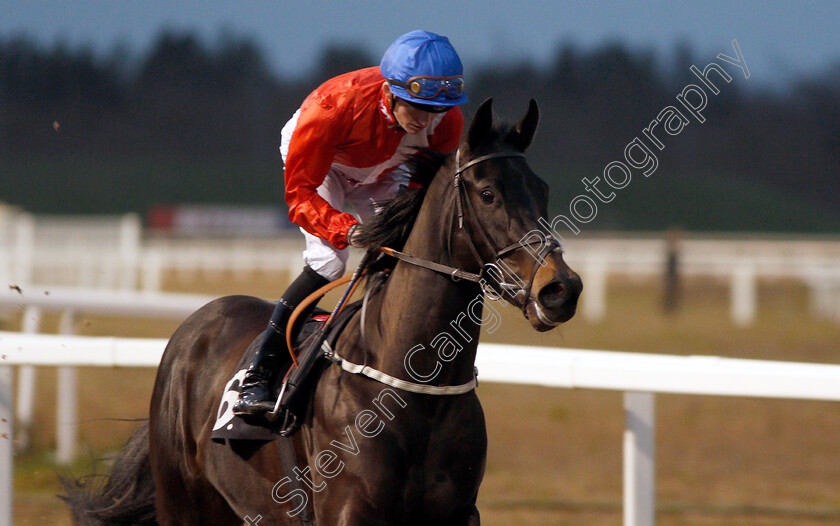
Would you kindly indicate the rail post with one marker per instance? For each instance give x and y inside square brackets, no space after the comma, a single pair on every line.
[639,460]
[131,231]
[24,246]
[66,414]
[26,381]
[595,271]
[743,293]
[6,443]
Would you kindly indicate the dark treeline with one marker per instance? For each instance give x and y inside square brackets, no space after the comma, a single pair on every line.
[184,102]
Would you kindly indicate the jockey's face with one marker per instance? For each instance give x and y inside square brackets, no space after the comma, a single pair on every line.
[410,118]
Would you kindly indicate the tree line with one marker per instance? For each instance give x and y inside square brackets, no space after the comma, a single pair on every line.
[183,100]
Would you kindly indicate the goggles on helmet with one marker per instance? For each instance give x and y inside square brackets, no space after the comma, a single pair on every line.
[430,87]
[428,108]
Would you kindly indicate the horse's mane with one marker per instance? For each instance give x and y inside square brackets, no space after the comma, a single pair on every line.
[395,217]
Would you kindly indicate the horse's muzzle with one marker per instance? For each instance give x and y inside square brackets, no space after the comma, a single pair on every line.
[554,302]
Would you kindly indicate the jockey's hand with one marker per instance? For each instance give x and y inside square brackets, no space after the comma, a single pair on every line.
[354,235]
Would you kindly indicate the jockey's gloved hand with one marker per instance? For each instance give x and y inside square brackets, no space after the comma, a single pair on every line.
[354,235]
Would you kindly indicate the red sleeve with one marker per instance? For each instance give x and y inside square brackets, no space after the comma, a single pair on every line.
[321,126]
[447,134]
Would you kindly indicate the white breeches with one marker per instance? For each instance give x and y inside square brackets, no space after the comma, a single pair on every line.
[320,254]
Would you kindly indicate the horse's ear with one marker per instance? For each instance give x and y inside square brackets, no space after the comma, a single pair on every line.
[527,127]
[481,124]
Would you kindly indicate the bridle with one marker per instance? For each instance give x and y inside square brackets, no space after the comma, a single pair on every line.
[523,292]
[489,271]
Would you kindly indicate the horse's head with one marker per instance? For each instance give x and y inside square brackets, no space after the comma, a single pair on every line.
[500,200]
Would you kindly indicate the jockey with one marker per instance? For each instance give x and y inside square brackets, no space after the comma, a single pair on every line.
[345,145]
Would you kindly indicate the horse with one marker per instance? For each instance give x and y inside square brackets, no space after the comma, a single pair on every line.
[403,443]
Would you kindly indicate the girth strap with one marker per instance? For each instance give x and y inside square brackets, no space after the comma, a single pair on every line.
[288,461]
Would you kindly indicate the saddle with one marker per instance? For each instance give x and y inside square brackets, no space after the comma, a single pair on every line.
[231,427]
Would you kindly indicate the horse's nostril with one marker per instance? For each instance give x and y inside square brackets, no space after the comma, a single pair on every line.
[576,285]
[552,295]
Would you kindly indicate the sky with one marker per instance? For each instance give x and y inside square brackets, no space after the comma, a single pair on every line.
[779,40]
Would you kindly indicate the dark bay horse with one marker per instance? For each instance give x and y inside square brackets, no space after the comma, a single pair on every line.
[370,452]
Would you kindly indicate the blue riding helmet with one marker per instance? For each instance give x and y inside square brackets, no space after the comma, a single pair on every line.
[423,68]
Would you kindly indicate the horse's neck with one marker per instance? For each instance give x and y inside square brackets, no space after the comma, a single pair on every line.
[425,308]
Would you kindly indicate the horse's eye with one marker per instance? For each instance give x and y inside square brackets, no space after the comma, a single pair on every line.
[487,197]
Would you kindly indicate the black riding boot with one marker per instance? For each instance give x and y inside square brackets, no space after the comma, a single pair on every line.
[255,395]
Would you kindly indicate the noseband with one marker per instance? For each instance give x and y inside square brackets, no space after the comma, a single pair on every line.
[464,206]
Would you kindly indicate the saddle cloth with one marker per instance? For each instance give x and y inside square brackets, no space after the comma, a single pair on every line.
[230,427]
